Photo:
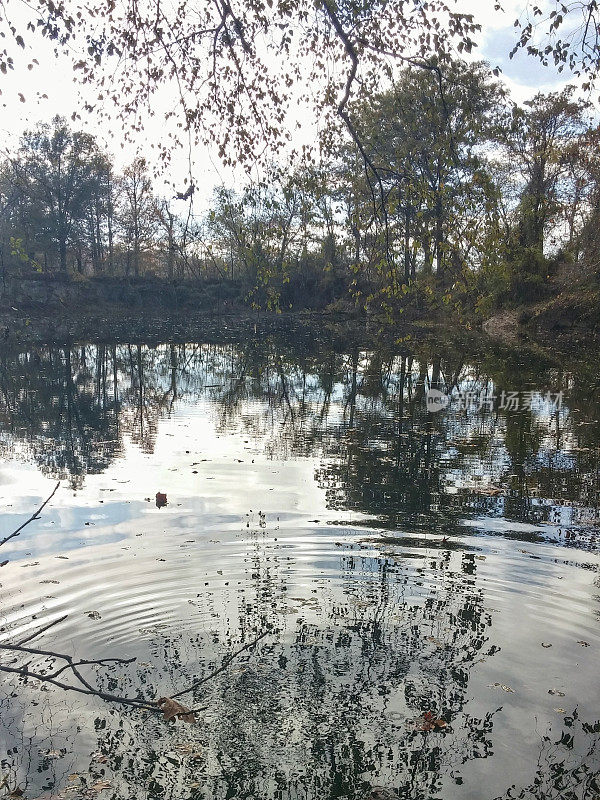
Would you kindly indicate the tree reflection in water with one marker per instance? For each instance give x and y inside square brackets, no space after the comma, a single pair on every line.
[72,408]
[329,706]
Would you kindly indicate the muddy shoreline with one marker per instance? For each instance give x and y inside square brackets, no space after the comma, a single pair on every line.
[32,324]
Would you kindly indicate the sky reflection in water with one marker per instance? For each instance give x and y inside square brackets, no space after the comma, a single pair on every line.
[407,562]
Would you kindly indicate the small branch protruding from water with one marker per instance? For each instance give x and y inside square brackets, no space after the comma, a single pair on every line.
[42,630]
[85,687]
[35,515]
[223,666]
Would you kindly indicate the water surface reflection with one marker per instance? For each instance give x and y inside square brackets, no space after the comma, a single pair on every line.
[405,562]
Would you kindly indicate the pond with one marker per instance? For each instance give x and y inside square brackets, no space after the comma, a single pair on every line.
[425,577]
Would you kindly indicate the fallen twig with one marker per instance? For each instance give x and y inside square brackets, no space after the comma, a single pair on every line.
[87,688]
[42,630]
[223,666]
[35,515]
[26,673]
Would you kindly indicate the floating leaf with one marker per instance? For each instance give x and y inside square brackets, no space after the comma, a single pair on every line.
[174,710]
[188,749]
[380,793]
[161,499]
[429,722]
[100,785]
[502,686]
[557,692]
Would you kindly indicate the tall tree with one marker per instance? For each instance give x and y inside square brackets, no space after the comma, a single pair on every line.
[55,177]
[427,139]
[136,213]
[537,138]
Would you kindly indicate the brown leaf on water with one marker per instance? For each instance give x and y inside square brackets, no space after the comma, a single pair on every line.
[583,643]
[188,749]
[174,710]
[556,692]
[429,722]
[100,785]
[379,793]
[161,499]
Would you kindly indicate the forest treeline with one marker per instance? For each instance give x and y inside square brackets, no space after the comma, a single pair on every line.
[450,193]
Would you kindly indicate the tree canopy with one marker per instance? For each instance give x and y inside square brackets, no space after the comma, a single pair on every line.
[236,67]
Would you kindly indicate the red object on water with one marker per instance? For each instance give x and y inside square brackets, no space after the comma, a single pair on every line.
[161,499]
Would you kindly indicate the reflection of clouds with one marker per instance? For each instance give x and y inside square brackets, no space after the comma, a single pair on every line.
[279,486]
[233,407]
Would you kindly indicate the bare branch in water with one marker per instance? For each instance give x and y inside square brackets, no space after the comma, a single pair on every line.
[42,630]
[84,686]
[223,666]
[35,515]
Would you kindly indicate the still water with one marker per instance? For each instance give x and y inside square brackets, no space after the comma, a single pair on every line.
[402,562]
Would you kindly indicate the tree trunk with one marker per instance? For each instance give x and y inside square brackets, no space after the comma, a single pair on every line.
[407,246]
[62,250]
[427,256]
[439,238]
[109,222]
[171,250]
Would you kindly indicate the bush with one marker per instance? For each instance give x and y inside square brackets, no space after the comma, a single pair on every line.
[521,278]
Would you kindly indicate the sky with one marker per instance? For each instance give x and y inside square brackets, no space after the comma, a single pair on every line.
[53,78]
